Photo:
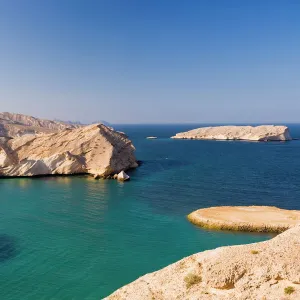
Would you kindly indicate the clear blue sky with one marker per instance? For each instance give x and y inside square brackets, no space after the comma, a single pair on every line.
[156,61]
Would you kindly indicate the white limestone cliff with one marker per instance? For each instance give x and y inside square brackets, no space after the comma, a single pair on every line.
[94,149]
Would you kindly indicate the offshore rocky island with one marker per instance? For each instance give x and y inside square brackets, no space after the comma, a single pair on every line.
[263,133]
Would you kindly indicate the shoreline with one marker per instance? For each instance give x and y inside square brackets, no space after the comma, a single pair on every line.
[263,270]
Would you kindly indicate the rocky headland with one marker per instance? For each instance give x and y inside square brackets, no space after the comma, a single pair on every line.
[268,270]
[263,133]
[12,125]
[95,149]
[246,218]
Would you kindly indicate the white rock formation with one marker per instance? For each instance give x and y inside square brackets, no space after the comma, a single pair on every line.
[261,271]
[122,176]
[258,133]
[94,149]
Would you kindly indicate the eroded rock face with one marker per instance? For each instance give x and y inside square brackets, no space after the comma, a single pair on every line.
[258,133]
[94,149]
[255,271]
[12,125]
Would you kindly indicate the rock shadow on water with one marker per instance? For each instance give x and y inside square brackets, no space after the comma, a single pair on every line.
[8,247]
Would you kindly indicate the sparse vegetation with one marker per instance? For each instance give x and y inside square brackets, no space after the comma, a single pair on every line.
[192,279]
[254,251]
[289,290]
[181,264]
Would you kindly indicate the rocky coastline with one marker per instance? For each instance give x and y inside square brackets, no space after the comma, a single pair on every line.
[267,270]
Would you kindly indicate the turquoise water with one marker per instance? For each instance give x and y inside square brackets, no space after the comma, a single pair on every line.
[79,238]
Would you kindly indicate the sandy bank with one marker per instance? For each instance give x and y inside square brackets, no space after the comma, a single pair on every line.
[245,218]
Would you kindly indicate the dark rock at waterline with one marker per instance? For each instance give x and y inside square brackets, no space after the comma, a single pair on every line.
[140,162]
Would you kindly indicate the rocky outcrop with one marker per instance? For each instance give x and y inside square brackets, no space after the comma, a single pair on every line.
[258,133]
[268,271]
[12,125]
[122,176]
[94,149]
[246,218]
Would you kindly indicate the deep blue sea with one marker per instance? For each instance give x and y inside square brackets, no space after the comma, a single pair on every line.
[65,238]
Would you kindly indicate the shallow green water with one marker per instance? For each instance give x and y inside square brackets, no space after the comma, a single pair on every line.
[79,238]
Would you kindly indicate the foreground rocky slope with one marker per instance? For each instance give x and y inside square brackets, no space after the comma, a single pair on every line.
[246,218]
[94,149]
[12,125]
[250,133]
[268,271]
